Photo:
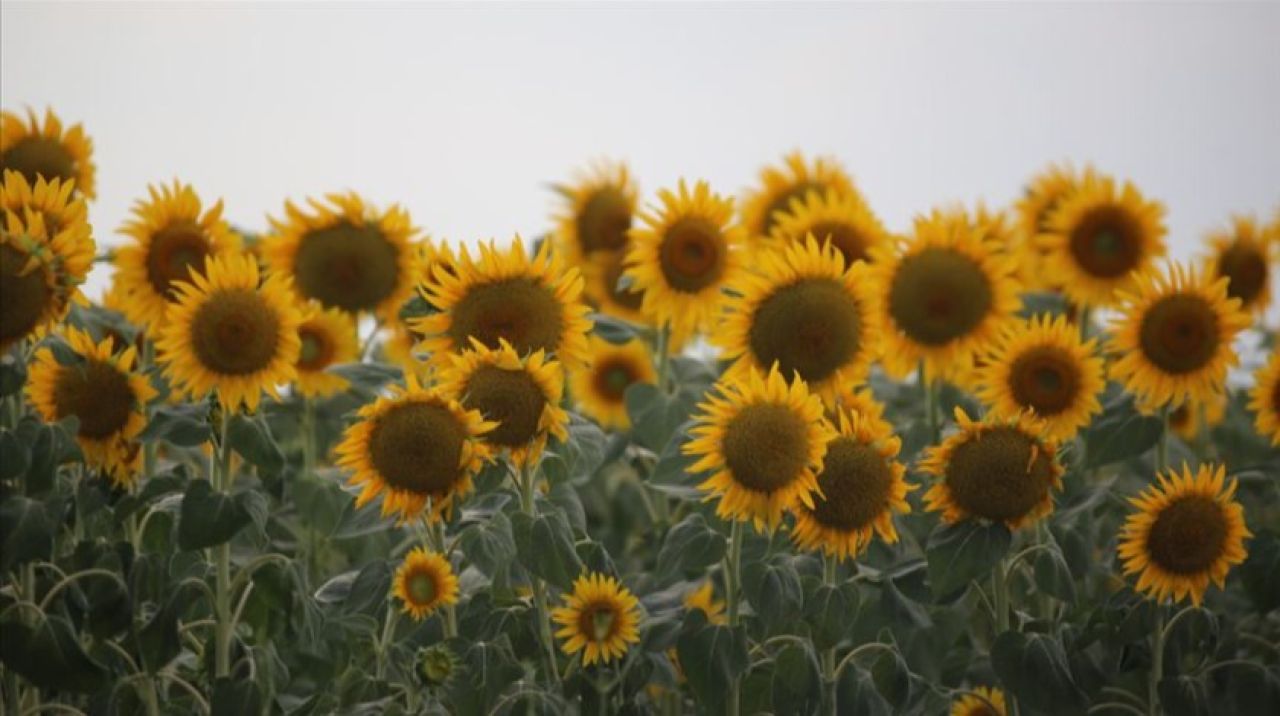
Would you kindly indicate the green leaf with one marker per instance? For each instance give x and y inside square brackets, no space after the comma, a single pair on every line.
[235,697]
[13,374]
[51,447]
[1184,696]
[1034,668]
[671,474]
[158,640]
[250,436]
[796,681]
[691,546]
[26,532]
[578,458]
[49,655]
[1052,575]
[545,546]
[857,694]
[209,518]
[488,543]
[1121,432]
[14,458]
[712,655]
[960,553]
[368,591]
[892,678]
[1260,572]
[367,377]
[184,425]
[830,612]
[613,329]
[773,589]
[655,414]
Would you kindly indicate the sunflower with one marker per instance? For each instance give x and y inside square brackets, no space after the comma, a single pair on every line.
[415,446]
[1000,470]
[860,401]
[226,333]
[1243,255]
[605,292]
[521,395]
[841,218]
[763,441]
[982,701]
[1190,418]
[703,598]
[1042,365]
[104,392]
[944,297]
[862,487]
[401,341]
[600,206]
[1172,337]
[795,180]
[40,270]
[600,388]
[532,303]
[48,152]
[684,256]
[1040,198]
[1098,237]
[1264,399]
[425,582]
[804,311]
[171,238]
[328,338]
[1188,530]
[600,619]
[55,200]
[346,254]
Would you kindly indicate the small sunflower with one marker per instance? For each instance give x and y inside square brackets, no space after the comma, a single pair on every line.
[229,333]
[1001,470]
[763,441]
[600,618]
[1040,198]
[703,598]
[796,179]
[600,206]
[1188,530]
[171,237]
[804,311]
[858,400]
[684,256]
[861,487]
[1264,399]
[521,395]
[600,388]
[605,291]
[1098,237]
[983,701]
[34,151]
[1189,418]
[1243,255]
[424,582]
[328,338]
[345,254]
[1042,365]
[415,447]
[102,390]
[1172,337]
[40,271]
[55,200]
[535,304]
[841,218]
[943,297]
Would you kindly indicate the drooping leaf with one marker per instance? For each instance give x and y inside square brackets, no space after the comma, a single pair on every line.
[960,553]
[690,547]
[545,546]
[210,518]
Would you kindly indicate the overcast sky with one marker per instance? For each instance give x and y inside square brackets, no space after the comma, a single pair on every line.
[465,113]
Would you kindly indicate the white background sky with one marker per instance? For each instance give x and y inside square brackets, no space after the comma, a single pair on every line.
[465,113]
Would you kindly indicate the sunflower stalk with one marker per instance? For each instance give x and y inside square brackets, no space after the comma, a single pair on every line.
[732,588]
[439,544]
[663,349]
[930,389]
[1158,636]
[528,476]
[308,473]
[222,555]
[829,568]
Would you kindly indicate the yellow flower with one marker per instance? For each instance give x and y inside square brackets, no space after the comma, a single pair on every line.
[841,218]
[521,395]
[703,598]
[1039,200]
[600,619]
[804,311]
[604,291]
[600,206]
[229,333]
[999,470]
[34,151]
[1172,337]
[424,582]
[1188,530]
[345,254]
[983,701]
[1042,365]
[794,180]
[327,338]
[858,400]
[1243,255]
[861,486]
[171,238]
[1264,399]
[63,211]
[414,448]
[104,392]
[600,388]
[763,441]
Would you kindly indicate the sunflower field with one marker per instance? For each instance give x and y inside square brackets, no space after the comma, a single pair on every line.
[683,453]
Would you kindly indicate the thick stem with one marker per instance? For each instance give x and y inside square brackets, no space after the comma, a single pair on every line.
[1157,662]
[380,648]
[440,545]
[733,582]
[528,476]
[308,429]
[829,567]
[222,556]
[663,349]
[1162,447]
[1000,594]
[930,389]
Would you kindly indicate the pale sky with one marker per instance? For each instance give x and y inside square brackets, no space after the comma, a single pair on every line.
[464,114]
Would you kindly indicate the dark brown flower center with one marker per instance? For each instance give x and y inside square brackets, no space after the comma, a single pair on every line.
[175,250]
[614,268]
[317,348]
[523,312]
[599,621]
[693,255]
[1179,333]
[811,326]
[604,221]
[35,157]
[1188,535]
[856,482]
[766,446]
[417,447]
[23,296]
[1107,242]
[939,295]
[511,398]
[98,394]
[347,266]
[846,239]
[235,332]
[1045,379]
[422,587]
[1246,272]
[782,203]
[612,377]
[993,475]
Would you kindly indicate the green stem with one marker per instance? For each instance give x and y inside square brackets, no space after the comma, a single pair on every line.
[829,567]
[380,648]
[1162,447]
[222,556]
[1000,594]
[663,350]
[732,587]
[528,477]
[308,473]
[1158,635]
[441,546]
[930,389]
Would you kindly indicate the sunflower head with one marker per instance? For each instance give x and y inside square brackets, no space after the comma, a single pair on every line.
[703,599]
[436,665]
[1188,530]
[1264,399]
[47,151]
[1000,470]
[327,337]
[600,388]
[40,270]
[599,207]
[605,290]
[1040,198]
[600,618]
[763,441]
[794,180]
[842,219]
[982,701]
[424,582]
[1243,254]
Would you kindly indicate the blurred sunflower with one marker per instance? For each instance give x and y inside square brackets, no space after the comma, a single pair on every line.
[860,401]
[600,618]
[703,598]
[346,254]
[684,256]
[104,392]
[1189,418]
[1264,399]
[63,211]
[535,304]
[1188,530]
[1000,470]
[413,447]
[841,218]
[983,701]
[1099,236]
[794,180]
[1243,255]
[1172,337]
[40,270]
[34,151]
[600,388]
[861,486]
[605,293]
[521,395]
[1040,198]
[1042,365]
[171,238]
[600,206]
[401,340]
[424,582]
[328,338]
[763,441]
[943,297]
[804,311]
[231,333]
